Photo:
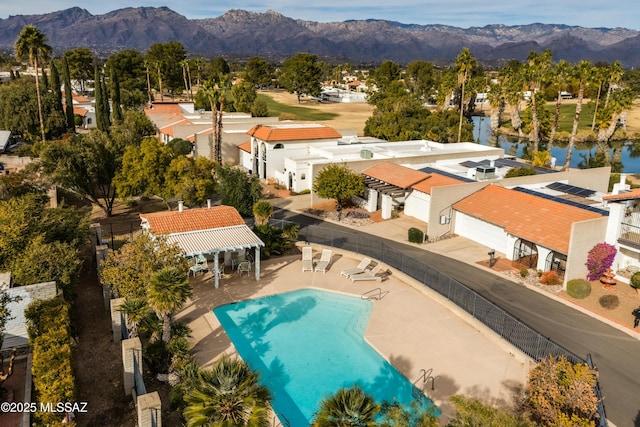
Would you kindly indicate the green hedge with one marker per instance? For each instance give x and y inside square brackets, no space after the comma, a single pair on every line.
[416,235]
[48,327]
[578,288]
[635,280]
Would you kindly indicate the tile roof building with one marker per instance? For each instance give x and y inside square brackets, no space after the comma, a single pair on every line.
[214,231]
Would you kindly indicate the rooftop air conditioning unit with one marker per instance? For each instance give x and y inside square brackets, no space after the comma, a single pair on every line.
[484,173]
[366,154]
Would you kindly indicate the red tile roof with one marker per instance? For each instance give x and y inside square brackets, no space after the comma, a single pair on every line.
[245,146]
[395,174]
[529,217]
[170,222]
[435,180]
[292,133]
[164,108]
[627,195]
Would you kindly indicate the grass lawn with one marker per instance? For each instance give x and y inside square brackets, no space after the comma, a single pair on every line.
[568,111]
[276,109]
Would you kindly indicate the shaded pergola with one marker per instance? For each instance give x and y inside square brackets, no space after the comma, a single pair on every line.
[206,231]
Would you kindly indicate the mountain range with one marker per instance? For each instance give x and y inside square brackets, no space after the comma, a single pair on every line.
[242,34]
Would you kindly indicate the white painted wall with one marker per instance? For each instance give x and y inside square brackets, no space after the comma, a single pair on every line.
[417,205]
[482,232]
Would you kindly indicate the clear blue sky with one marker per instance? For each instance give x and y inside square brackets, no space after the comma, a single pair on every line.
[459,13]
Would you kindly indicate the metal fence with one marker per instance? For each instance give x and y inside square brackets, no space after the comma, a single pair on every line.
[117,234]
[508,327]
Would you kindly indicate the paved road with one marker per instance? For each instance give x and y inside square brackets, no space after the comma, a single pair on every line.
[615,354]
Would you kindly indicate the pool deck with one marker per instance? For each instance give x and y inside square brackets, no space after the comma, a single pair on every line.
[411,326]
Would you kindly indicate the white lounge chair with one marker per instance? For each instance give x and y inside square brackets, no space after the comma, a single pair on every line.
[357,269]
[307,258]
[325,260]
[369,274]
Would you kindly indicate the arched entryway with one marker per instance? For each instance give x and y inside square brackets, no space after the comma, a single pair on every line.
[556,262]
[525,253]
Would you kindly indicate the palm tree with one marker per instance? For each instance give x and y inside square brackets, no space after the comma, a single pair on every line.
[32,43]
[168,290]
[464,65]
[559,77]
[215,96]
[349,407]
[536,70]
[227,394]
[134,310]
[582,73]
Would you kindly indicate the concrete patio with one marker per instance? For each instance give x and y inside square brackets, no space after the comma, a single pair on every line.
[411,326]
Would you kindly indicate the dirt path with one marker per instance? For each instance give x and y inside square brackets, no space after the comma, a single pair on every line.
[97,359]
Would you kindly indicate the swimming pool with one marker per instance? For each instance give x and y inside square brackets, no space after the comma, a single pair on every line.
[307,344]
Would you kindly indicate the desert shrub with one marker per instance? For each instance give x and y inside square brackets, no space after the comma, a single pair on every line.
[578,288]
[635,280]
[609,301]
[305,191]
[550,278]
[416,235]
[358,214]
[157,356]
[600,259]
[524,272]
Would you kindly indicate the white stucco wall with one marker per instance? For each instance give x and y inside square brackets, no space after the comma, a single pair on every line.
[482,232]
[417,205]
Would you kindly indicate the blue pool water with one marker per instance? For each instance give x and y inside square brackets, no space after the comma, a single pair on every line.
[306,345]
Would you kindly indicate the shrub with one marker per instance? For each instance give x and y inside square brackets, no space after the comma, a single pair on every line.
[358,214]
[49,333]
[524,272]
[609,301]
[635,280]
[416,235]
[578,288]
[550,278]
[600,259]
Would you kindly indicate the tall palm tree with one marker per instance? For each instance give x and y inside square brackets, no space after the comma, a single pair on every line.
[32,43]
[464,65]
[560,74]
[216,98]
[600,76]
[512,85]
[168,290]
[536,69]
[582,72]
[227,394]
[349,407]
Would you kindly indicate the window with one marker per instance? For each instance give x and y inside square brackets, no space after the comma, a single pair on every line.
[278,146]
[302,176]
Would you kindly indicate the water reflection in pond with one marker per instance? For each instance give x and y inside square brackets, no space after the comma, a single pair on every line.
[622,153]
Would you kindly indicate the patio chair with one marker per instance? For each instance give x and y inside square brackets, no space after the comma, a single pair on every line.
[307,258]
[357,269]
[244,266]
[199,265]
[234,260]
[325,260]
[368,275]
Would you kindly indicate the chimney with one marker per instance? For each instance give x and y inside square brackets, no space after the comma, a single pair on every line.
[180,205]
[208,203]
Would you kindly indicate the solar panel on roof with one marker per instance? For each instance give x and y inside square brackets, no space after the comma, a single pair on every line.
[571,189]
[561,200]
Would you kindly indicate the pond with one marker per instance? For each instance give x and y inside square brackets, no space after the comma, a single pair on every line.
[627,152]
